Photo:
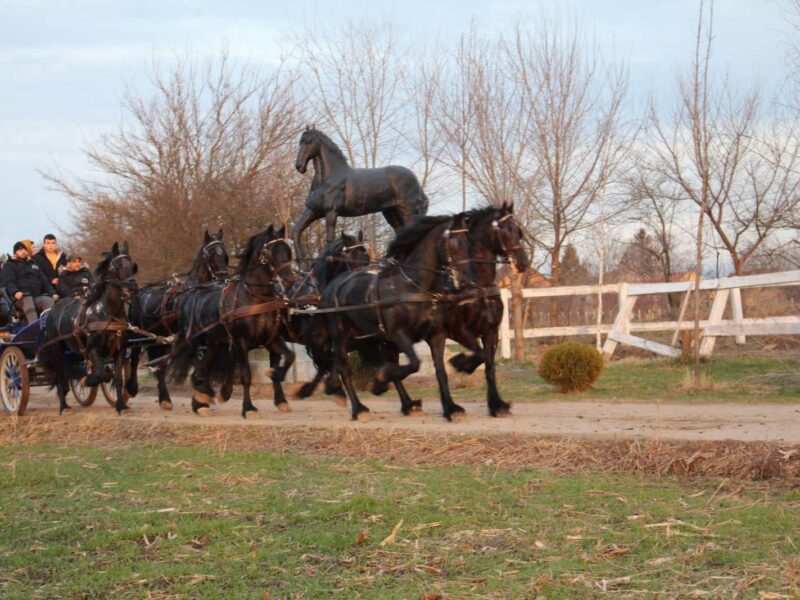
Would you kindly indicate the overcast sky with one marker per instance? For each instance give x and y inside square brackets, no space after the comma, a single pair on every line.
[64,64]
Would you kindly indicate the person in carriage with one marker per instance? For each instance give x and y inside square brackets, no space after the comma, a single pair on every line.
[50,259]
[26,284]
[74,279]
[5,301]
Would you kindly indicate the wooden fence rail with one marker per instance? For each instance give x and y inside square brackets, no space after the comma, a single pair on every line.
[619,332]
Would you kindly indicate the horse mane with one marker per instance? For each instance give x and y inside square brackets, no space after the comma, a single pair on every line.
[330,145]
[100,273]
[476,214]
[252,247]
[407,238]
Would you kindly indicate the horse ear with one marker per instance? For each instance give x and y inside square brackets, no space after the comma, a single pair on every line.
[219,233]
[206,237]
[458,222]
[115,249]
[511,206]
[282,232]
[270,230]
[360,236]
[125,249]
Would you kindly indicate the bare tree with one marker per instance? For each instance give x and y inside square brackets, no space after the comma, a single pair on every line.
[208,146]
[577,135]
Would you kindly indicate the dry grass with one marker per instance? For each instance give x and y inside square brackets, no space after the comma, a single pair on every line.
[754,461]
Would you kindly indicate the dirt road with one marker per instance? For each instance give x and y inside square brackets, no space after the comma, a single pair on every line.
[706,422]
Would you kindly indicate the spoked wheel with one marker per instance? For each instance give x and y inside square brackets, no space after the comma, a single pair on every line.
[84,394]
[14,381]
[110,389]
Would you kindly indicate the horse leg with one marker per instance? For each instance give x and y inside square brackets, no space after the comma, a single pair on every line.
[330,226]
[497,406]
[308,388]
[241,359]
[62,387]
[202,392]
[119,382]
[97,374]
[451,410]
[464,363]
[277,350]
[341,368]
[226,391]
[394,372]
[305,219]
[407,405]
[132,385]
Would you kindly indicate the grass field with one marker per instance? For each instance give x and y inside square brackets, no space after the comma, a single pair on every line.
[732,378]
[164,522]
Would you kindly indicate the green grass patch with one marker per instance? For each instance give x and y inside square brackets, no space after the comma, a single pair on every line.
[82,522]
[747,379]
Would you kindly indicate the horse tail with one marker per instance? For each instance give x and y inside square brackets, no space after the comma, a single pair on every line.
[421,205]
[180,362]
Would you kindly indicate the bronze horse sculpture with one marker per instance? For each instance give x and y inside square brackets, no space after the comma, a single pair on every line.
[337,189]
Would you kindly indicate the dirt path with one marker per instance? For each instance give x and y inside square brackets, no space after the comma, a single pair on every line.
[706,422]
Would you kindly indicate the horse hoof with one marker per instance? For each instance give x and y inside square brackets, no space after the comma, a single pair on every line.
[284,407]
[251,414]
[364,417]
[125,412]
[165,405]
[458,417]
[416,411]
[340,401]
[204,411]
[503,413]
[219,398]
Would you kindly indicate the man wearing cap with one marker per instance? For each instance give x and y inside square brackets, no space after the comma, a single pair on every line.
[50,259]
[26,284]
[74,279]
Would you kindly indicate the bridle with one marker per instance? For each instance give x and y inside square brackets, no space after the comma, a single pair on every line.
[207,256]
[126,284]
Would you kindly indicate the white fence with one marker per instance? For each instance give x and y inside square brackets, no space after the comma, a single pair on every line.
[619,332]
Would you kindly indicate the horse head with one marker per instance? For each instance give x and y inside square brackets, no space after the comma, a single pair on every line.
[308,150]
[213,256]
[497,231]
[118,269]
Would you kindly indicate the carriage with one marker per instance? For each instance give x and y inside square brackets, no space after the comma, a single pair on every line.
[19,368]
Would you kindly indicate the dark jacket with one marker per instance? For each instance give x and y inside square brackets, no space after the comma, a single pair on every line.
[25,276]
[74,283]
[40,258]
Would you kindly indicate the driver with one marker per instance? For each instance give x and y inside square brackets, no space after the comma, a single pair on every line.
[26,284]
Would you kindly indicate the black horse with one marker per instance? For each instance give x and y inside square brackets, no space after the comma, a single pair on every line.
[221,323]
[345,253]
[338,189]
[398,305]
[95,328]
[156,310]
[494,232]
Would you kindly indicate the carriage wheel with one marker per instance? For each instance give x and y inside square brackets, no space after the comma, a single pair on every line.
[14,381]
[110,389]
[84,394]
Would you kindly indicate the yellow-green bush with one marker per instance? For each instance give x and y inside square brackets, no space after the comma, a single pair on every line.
[571,367]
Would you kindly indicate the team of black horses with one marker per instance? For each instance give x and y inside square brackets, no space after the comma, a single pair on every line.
[436,281]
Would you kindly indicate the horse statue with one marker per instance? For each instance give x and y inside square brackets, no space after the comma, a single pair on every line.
[96,328]
[156,310]
[340,190]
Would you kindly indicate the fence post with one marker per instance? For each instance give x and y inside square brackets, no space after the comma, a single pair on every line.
[714,318]
[738,313]
[622,322]
[505,333]
[516,305]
